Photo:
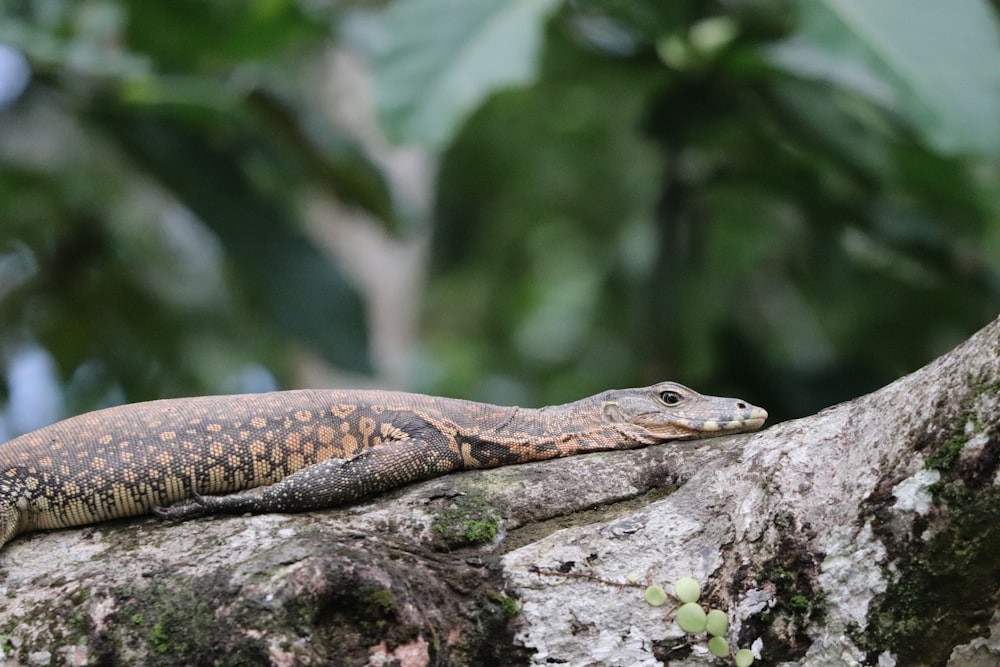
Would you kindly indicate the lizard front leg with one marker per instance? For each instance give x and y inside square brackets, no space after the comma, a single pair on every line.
[330,482]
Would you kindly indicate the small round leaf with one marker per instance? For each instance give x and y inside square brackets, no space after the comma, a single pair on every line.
[687,589]
[718,647]
[744,658]
[656,596]
[691,617]
[717,622]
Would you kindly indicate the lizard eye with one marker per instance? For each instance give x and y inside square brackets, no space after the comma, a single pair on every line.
[670,397]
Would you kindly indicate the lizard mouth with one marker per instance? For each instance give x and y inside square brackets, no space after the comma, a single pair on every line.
[687,427]
[754,420]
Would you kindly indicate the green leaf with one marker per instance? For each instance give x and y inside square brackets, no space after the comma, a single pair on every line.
[442,58]
[300,290]
[743,658]
[691,618]
[656,596]
[687,589]
[325,154]
[182,33]
[333,159]
[718,647]
[933,63]
[717,622]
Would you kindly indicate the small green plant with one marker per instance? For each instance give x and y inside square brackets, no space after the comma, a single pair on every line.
[691,617]
[695,619]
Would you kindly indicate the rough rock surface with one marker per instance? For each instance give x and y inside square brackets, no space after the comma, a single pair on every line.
[865,534]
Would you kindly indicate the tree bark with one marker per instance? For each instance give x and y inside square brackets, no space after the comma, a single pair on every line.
[866,534]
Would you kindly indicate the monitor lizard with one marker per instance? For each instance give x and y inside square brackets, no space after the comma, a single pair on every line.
[291,451]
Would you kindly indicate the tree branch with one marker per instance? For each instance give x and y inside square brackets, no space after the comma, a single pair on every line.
[865,534]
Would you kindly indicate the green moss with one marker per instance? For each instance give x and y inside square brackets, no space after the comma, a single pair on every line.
[510,608]
[799,602]
[305,614]
[371,611]
[945,456]
[79,622]
[69,625]
[469,521]
[940,587]
[80,596]
[159,638]
[508,605]
[480,532]
[658,492]
[796,597]
[382,601]
[172,621]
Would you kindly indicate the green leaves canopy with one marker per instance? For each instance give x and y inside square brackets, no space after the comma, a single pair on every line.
[790,201]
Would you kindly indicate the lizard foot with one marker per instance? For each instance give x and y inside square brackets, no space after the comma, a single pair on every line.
[186,509]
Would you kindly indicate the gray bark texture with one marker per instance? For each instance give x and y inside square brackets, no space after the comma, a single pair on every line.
[867,534]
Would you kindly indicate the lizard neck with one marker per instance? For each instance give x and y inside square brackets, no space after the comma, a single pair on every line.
[516,435]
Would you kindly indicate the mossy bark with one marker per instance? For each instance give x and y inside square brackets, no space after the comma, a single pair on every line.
[866,534]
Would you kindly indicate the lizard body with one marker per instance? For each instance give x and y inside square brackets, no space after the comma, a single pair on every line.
[299,450]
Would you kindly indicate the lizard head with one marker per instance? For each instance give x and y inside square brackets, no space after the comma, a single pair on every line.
[671,411]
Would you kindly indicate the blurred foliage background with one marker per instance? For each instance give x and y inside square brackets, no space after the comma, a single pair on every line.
[523,201]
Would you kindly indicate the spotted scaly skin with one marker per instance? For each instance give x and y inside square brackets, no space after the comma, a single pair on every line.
[293,451]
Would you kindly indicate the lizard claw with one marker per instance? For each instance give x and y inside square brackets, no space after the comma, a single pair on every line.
[195,506]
